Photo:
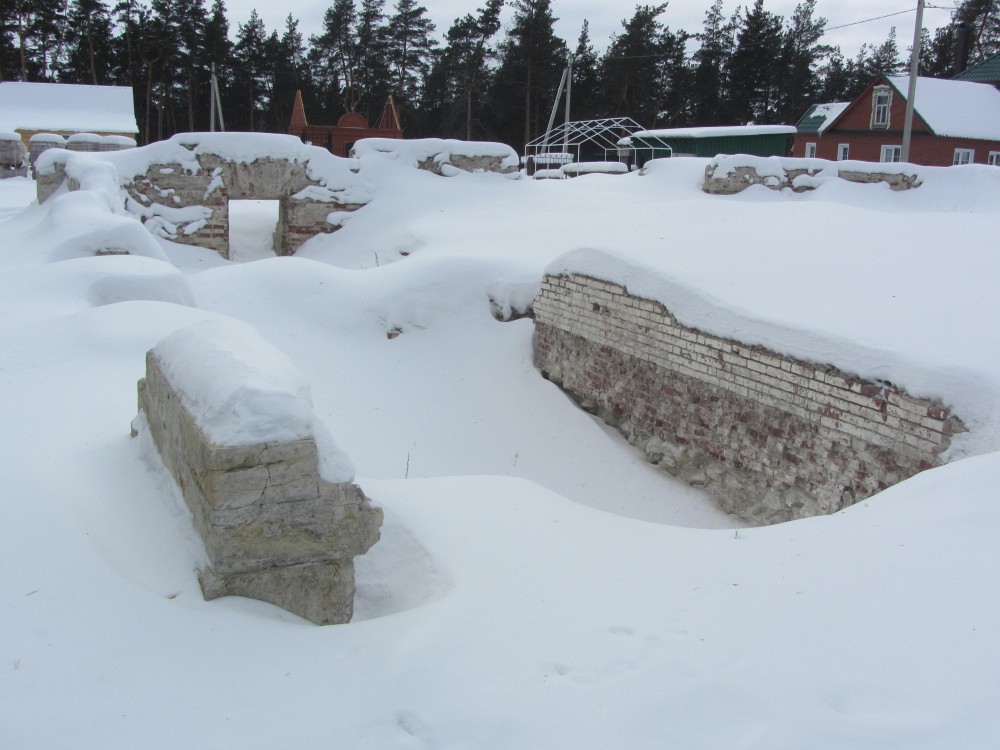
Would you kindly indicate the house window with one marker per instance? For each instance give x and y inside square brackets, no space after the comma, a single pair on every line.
[891,153]
[963,156]
[843,151]
[810,150]
[881,99]
[994,158]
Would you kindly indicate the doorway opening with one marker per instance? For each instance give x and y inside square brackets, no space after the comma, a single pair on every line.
[253,227]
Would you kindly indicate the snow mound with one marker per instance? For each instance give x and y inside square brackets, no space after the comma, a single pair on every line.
[437,149]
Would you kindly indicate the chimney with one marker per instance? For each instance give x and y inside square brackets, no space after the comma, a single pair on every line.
[963,45]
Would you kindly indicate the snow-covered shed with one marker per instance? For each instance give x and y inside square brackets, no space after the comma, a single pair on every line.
[756,140]
[66,109]
[954,122]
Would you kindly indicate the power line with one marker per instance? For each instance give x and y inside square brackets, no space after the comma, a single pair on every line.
[869,20]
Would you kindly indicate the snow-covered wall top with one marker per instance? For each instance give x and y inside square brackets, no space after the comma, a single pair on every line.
[66,107]
[241,388]
[717,132]
[438,149]
[185,148]
[961,109]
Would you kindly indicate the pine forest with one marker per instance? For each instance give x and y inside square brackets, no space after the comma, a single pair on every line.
[480,79]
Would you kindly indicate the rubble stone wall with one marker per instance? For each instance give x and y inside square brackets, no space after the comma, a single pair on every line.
[273,529]
[730,182]
[192,207]
[771,437]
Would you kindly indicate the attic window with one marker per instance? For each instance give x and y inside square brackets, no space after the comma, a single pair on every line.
[881,99]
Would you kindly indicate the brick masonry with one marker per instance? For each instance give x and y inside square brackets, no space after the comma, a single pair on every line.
[160,196]
[773,438]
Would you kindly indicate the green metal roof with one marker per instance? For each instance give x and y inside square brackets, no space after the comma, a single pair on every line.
[819,116]
[988,71]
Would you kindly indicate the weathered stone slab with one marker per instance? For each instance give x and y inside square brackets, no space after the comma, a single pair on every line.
[273,528]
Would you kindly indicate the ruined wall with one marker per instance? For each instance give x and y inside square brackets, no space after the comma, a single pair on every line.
[274,530]
[727,177]
[773,438]
[191,206]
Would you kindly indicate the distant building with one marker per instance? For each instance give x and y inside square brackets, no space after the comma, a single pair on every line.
[954,122]
[350,128]
[756,140]
[66,109]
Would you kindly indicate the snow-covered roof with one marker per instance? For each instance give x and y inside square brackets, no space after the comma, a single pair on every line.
[66,107]
[961,109]
[717,131]
[819,117]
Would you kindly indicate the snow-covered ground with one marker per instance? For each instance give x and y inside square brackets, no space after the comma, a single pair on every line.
[537,584]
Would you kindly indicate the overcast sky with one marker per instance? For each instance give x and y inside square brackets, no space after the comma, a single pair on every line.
[605,16]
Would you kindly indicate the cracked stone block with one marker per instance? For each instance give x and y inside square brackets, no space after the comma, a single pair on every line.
[273,528]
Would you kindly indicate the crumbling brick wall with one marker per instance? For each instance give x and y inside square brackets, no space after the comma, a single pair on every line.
[772,437]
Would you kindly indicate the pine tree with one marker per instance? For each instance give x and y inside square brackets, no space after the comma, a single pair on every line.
[290,72]
[251,53]
[677,76]
[333,59]
[801,57]
[885,58]
[372,73]
[983,16]
[532,61]
[88,43]
[461,74]
[755,71]
[630,71]
[410,49]
[711,66]
[586,101]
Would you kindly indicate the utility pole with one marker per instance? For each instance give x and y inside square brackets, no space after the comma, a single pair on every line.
[569,91]
[215,103]
[912,90]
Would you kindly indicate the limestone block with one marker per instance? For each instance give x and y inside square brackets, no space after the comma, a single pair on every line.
[273,528]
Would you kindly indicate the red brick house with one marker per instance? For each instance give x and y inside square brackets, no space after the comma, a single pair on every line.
[350,128]
[954,122]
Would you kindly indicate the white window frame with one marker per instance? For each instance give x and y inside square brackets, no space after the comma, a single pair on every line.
[994,158]
[843,151]
[963,156]
[891,154]
[810,150]
[881,104]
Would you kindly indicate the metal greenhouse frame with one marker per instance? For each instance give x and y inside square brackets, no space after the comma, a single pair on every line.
[583,140]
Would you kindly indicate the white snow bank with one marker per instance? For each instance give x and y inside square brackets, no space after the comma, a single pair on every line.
[438,149]
[99,230]
[243,390]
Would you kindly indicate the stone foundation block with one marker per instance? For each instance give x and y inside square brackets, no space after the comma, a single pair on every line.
[273,528]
